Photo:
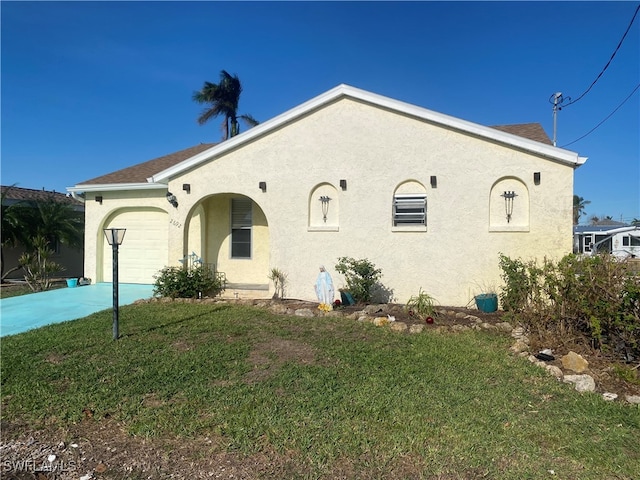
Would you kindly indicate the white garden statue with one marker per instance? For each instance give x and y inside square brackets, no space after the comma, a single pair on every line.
[324,287]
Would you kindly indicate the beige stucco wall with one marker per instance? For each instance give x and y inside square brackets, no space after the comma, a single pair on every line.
[100,215]
[375,151]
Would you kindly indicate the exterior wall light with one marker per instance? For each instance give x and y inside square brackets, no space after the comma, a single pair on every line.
[343,184]
[434,181]
[508,203]
[99,199]
[536,178]
[186,187]
[325,207]
[171,198]
[263,186]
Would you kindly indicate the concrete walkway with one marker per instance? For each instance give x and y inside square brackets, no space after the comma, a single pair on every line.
[25,312]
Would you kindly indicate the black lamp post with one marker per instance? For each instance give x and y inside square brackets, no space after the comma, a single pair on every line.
[114,238]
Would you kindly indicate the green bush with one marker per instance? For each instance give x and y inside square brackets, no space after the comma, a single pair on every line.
[361,276]
[594,297]
[181,282]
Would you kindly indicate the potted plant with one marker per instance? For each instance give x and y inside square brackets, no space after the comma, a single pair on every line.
[487,300]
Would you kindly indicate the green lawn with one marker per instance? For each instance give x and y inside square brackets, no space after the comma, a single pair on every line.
[329,391]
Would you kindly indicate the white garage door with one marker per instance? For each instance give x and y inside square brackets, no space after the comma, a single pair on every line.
[144,250]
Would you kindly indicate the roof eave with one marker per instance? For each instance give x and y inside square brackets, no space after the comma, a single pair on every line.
[113,187]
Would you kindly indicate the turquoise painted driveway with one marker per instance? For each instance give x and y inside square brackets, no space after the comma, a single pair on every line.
[25,312]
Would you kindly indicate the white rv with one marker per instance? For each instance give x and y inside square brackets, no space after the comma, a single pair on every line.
[621,241]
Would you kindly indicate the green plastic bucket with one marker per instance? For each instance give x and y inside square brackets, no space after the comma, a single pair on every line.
[487,302]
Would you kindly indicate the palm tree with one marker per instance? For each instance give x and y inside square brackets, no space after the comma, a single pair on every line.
[223,99]
[35,225]
[578,208]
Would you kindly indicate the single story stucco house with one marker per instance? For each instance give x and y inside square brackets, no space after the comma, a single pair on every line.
[430,199]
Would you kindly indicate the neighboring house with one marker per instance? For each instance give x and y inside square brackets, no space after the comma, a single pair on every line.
[70,258]
[430,199]
[612,237]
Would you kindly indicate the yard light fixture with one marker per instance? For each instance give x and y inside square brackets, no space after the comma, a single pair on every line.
[115,236]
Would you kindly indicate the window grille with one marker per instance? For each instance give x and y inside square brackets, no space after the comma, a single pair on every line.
[409,210]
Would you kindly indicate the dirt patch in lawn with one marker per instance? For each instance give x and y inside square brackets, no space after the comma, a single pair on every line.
[267,357]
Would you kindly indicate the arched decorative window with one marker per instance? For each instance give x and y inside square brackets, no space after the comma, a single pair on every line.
[509,206]
[409,209]
[324,208]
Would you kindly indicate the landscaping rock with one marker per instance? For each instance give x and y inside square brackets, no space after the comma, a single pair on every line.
[573,361]
[519,347]
[632,398]
[304,312]
[582,383]
[380,321]
[371,309]
[609,397]
[555,371]
[279,309]
[487,326]
[398,326]
[416,328]
[504,326]
[517,332]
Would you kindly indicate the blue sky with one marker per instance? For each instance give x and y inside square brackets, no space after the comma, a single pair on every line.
[92,87]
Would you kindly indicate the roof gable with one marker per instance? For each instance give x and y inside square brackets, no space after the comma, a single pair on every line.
[528,137]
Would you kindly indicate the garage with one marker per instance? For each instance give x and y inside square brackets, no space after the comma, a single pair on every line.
[144,250]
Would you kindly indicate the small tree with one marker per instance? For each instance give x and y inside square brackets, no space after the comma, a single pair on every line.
[279,279]
[361,276]
[39,270]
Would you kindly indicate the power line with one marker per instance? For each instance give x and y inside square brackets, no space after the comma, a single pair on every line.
[609,62]
[606,118]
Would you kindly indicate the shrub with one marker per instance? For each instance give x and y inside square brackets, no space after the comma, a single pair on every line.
[279,279]
[596,298]
[182,282]
[361,276]
[421,305]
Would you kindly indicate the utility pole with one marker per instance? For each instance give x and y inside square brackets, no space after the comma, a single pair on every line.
[557,100]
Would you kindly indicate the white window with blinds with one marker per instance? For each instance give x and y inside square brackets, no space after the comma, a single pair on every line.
[409,210]
[241,223]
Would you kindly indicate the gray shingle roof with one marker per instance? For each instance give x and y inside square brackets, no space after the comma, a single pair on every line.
[12,194]
[532,131]
[140,172]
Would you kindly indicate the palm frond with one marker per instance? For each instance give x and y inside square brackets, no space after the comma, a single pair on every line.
[249,120]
